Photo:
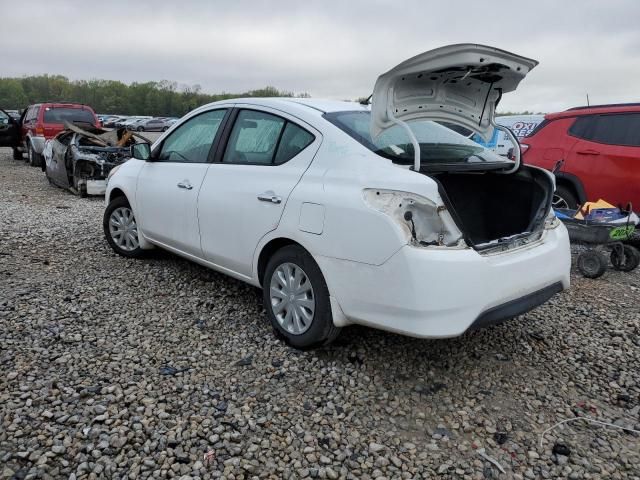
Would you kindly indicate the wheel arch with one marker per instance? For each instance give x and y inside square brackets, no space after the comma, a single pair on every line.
[117,192]
[267,251]
[573,182]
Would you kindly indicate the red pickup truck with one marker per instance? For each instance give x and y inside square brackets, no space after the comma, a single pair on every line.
[38,123]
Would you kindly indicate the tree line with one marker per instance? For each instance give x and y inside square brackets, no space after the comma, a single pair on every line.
[164,98]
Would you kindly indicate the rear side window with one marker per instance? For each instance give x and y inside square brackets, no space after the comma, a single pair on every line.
[61,115]
[613,129]
[259,138]
[32,114]
[294,140]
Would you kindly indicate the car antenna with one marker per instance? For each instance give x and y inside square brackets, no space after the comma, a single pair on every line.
[367,100]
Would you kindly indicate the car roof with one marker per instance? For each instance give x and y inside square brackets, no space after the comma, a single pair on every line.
[63,105]
[595,110]
[310,105]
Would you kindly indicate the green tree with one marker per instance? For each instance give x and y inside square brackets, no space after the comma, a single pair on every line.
[111,96]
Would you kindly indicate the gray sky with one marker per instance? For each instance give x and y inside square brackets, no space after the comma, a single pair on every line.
[333,49]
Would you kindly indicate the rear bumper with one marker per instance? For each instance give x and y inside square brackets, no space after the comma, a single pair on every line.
[439,293]
[499,314]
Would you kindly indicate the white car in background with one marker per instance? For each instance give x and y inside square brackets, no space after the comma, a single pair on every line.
[347,215]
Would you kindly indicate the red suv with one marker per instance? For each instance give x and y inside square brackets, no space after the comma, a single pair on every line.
[41,122]
[600,147]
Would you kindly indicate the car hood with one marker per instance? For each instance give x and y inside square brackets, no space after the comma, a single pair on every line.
[460,84]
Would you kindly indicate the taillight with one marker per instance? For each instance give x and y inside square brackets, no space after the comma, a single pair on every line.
[40,131]
[523,148]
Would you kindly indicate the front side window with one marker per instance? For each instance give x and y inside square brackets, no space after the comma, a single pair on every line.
[191,142]
[439,145]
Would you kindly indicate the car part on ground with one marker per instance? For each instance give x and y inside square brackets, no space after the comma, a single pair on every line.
[80,160]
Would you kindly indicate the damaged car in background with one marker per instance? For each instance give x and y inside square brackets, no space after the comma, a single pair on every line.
[80,160]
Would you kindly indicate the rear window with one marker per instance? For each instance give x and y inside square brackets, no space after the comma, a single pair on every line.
[62,114]
[439,145]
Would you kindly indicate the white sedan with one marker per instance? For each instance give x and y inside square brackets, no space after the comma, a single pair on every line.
[347,214]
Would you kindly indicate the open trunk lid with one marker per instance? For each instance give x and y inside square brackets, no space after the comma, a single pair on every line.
[459,84]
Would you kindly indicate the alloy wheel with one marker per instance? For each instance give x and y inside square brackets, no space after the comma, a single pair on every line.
[559,202]
[292,298]
[123,229]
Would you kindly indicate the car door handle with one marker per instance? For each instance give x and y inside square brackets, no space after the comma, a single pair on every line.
[269,197]
[186,185]
[588,152]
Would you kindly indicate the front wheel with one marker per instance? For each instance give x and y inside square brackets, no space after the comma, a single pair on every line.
[121,228]
[296,298]
[141,129]
[17,154]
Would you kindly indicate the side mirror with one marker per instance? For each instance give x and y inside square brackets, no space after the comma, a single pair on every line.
[141,151]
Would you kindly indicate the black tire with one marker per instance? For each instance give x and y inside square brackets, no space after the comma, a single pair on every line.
[140,129]
[631,258]
[116,203]
[321,330]
[164,129]
[592,264]
[35,159]
[564,197]
[17,154]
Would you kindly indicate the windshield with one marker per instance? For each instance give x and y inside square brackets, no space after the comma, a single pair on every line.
[439,145]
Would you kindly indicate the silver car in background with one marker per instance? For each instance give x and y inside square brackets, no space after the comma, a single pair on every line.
[160,124]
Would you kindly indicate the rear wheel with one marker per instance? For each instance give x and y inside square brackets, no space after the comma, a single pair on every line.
[164,129]
[121,229]
[35,159]
[592,264]
[296,298]
[564,197]
[17,154]
[625,258]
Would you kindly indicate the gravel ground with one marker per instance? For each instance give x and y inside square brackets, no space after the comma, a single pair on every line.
[116,368]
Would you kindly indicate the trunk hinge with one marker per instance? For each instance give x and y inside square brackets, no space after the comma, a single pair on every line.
[516,147]
[412,137]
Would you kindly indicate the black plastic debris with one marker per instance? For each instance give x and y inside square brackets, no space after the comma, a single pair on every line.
[169,370]
[561,449]
[243,362]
